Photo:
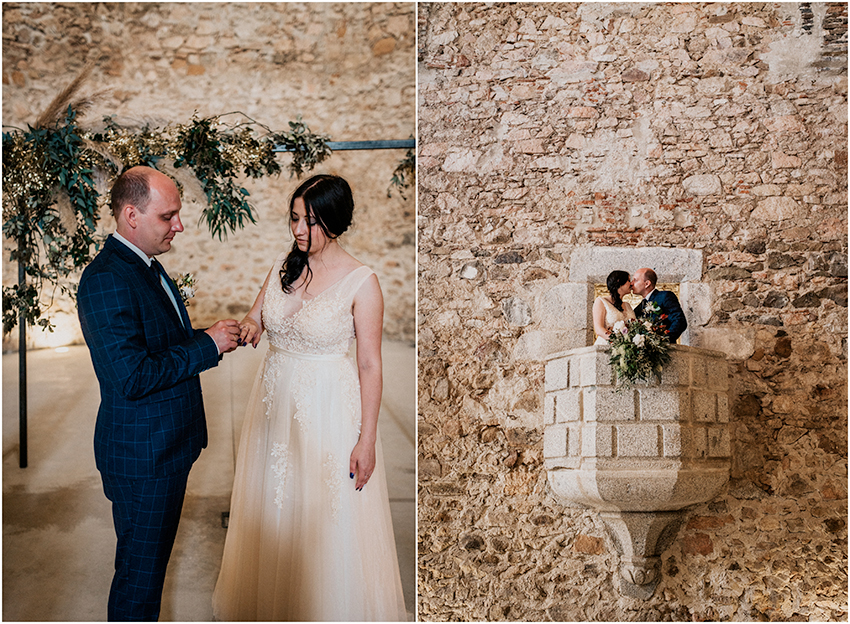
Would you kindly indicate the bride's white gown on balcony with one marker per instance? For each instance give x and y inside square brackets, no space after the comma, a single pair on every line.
[612,315]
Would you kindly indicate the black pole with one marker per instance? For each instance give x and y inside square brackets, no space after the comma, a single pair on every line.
[360,145]
[22,359]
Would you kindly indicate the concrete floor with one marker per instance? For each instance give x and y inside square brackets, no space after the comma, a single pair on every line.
[58,538]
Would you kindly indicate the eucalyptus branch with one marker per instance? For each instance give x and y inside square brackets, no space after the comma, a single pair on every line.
[308,149]
[251,121]
[38,164]
[404,175]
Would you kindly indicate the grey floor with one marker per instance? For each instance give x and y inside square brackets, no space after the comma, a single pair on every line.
[58,540]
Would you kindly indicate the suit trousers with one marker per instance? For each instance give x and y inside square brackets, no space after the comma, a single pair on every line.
[146,513]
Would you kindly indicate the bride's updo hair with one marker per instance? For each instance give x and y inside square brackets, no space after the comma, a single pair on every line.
[615,280]
[328,200]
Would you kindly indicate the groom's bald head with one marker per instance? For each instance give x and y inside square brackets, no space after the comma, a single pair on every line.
[648,275]
[132,187]
[643,281]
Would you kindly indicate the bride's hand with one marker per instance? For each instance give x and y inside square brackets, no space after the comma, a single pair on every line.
[362,463]
[250,332]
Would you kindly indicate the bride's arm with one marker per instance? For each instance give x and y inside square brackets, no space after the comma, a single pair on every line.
[252,324]
[599,318]
[627,309]
[368,324]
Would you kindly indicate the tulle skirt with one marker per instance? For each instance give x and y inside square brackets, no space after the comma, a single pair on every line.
[303,544]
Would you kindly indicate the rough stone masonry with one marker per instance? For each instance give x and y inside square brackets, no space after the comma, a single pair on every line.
[348,69]
[548,128]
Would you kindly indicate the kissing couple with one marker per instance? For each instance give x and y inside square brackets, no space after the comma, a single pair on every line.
[310,534]
[609,309]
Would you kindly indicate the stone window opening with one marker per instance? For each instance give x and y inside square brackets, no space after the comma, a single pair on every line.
[567,320]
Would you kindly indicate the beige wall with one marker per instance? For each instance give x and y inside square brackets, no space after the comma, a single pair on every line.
[348,69]
[550,129]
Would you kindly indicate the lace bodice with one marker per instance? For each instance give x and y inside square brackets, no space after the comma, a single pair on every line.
[323,325]
[612,314]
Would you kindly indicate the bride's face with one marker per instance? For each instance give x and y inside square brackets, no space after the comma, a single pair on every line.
[625,289]
[308,234]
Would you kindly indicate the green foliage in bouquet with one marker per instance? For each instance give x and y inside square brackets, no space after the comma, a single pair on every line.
[639,351]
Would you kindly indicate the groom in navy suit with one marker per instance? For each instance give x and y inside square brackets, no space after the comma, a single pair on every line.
[147,357]
[643,284]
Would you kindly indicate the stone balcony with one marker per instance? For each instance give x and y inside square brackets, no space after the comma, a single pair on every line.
[639,456]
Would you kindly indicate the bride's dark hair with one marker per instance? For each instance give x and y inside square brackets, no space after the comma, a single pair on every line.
[328,200]
[615,280]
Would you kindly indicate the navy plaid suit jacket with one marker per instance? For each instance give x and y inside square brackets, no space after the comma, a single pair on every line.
[669,304]
[151,419]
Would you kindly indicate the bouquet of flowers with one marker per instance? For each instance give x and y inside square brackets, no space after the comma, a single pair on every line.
[185,283]
[639,349]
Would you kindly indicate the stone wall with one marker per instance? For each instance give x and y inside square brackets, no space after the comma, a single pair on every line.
[548,128]
[347,69]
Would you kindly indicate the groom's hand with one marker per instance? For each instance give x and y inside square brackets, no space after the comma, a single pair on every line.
[226,335]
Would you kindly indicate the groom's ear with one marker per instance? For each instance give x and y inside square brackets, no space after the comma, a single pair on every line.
[130,214]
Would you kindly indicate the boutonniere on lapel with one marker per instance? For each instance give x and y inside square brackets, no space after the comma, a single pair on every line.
[185,283]
[652,309]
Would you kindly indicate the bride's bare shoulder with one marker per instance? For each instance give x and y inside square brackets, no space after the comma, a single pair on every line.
[350,263]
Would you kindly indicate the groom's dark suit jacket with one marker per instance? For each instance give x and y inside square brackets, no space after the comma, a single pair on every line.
[151,418]
[669,304]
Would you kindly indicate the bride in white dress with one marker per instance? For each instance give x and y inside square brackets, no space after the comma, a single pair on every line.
[310,534]
[610,308]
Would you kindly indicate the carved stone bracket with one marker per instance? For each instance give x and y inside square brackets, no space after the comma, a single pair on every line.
[640,538]
[637,456]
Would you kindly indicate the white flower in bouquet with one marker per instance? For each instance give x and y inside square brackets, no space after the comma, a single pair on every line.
[638,352]
[620,327]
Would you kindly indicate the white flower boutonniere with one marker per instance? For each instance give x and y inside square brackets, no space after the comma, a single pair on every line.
[652,309]
[185,283]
